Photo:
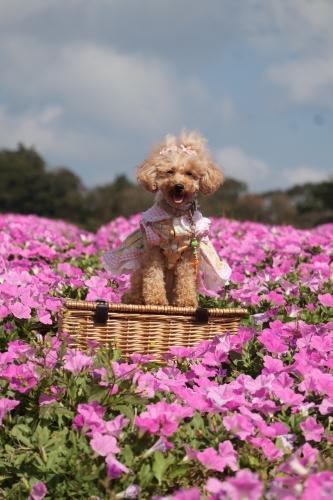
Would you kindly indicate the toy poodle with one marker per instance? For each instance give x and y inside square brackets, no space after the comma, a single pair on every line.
[170,252]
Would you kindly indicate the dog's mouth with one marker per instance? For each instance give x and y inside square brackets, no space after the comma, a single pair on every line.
[178,197]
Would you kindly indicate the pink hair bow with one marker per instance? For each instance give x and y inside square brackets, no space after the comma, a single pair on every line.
[181,149]
[189,150]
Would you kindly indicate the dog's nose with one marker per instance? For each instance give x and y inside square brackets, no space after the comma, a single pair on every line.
[179,188]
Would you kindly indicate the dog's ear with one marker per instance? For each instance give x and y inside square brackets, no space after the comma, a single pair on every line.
[146,176]
[211,179]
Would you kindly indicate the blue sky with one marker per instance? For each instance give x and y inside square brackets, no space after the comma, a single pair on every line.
[92,84]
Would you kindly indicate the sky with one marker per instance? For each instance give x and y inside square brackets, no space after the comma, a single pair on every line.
[92,84]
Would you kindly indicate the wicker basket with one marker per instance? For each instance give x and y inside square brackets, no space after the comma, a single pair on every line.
[146,329]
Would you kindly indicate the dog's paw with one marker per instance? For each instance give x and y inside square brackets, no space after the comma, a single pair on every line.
[129,298]
[157,299]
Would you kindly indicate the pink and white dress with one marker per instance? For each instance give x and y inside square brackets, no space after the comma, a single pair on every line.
[173,235]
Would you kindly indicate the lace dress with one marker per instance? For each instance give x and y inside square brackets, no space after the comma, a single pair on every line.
[173,235]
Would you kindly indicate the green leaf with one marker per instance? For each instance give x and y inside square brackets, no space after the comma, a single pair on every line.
[179,471]
[42,435]
[253,460]
[63,348]
[54,409]
[145,475]
[16,433]
[52,460]
[116,354]
[160,465]
[128,455]
[19,459]
[134,399]
[98,393]
[126,411]
[9,448]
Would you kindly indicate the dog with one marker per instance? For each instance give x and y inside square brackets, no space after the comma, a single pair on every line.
[171,250]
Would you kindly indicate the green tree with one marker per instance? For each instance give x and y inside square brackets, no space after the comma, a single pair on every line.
[28,187]
[121,197]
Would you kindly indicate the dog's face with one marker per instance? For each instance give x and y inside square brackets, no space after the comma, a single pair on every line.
[180,174]
[178,178]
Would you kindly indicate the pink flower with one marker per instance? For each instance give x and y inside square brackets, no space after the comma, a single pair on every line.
[276,298]
[147,384]
[103,444]
[115,468]
[91,417]
[273,344]
[44,316]
[326,406]
[131,491]
[267,447]
[182,352]
[20,311]
[141,359]
[96,281]
[162,445]
[211,460]
[191,494]
[239,426]
[318,486]
[157,425]
[38,492]
[20,377]
[6,405]
[76,362]
[220,395]
[288,397]
[46,399]
[312,430]
[228,453]
[115,427]
[190,454]
[162,418]
[326,300]
[245,486]
[312,307]
[216,487]
[272,365]
[6,358]
[293,311]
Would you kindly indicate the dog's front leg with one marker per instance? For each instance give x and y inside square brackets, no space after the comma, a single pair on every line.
[134,294]
[185,288]
[153,285]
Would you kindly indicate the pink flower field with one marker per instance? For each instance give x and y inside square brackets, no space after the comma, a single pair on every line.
[244,417]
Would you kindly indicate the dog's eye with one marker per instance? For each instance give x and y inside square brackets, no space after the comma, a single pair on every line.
[188,173]
[170,172]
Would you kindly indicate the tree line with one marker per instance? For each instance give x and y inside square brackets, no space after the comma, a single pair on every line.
[28,186]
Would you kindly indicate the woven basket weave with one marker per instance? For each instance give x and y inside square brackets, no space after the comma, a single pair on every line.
[146,329]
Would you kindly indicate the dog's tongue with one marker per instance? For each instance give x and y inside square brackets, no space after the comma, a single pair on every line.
[178,198]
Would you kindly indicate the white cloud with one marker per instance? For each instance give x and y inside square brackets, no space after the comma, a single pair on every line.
[301,175]
[130,92]
[92,102]
[300,33]
[31,126]
[297,26]
[238,165]
[307,81]
[45,130]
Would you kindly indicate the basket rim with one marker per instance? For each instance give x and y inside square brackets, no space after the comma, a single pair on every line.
[152,309]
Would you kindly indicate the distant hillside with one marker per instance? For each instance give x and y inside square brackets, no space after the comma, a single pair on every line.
[28,186]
